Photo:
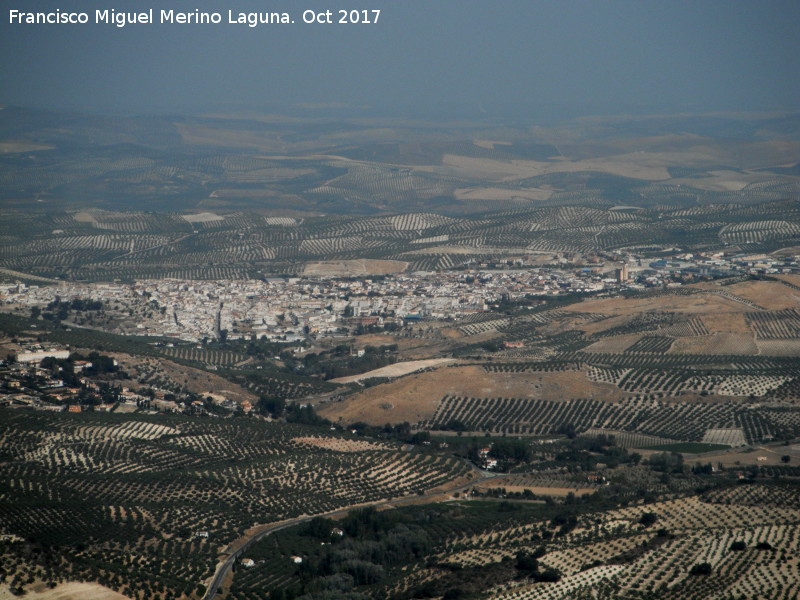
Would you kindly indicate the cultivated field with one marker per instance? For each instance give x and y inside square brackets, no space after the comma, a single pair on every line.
[100,245]
[119,496]
[672,420]
[499,549]
[700,530]
[416,397]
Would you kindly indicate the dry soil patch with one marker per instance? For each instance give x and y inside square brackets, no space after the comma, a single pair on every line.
[67,591]
[491,193]
[203,217]
[769,294]
[361,266]
[416,397]
[741,344]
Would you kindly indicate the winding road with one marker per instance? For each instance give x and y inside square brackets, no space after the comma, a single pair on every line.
[237,547]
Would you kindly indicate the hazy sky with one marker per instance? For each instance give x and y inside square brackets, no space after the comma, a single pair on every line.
[504,57]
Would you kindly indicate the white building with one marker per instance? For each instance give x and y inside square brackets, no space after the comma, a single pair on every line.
[38,355]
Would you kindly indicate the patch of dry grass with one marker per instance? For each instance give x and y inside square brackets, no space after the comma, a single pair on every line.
[415,397]
[741,344]
[769,294]
[67,591]
[361,266]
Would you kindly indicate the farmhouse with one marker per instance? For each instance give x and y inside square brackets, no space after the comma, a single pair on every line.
[81,365]
[516,344]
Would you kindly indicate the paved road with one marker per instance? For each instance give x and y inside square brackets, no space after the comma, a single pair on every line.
[225,567]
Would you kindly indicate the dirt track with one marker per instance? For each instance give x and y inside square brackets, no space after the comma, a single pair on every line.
[396,370]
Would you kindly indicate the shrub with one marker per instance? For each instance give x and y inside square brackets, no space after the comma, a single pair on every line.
[700,569]
[648,518]
[738,546]
[764,546]
[547,576]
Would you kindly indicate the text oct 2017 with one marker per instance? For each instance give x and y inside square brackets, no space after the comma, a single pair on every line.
[251,19]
